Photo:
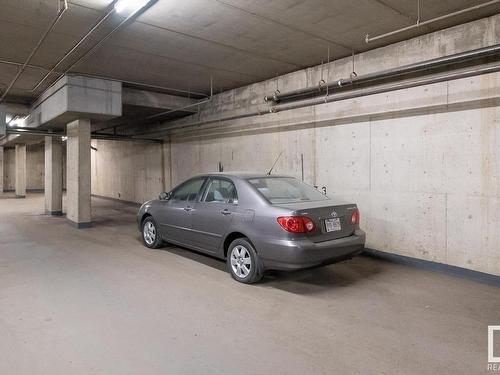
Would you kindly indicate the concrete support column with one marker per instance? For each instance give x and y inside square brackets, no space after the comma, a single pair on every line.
[78,209]
[20,171]
[1,169]
[53,176]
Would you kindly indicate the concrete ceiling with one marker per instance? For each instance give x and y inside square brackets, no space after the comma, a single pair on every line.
[180,44]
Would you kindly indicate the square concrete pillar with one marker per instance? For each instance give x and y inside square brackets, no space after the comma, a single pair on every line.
[20,171]
[1,169]
[78,209]
[3,120]
[53,176]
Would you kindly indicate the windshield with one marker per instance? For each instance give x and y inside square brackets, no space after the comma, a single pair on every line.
[286,190]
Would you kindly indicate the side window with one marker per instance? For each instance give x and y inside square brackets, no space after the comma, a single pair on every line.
[221,191]
[188,191]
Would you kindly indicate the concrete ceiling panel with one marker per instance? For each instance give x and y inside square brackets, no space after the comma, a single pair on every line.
[181,43]
[151,41]
[158,71]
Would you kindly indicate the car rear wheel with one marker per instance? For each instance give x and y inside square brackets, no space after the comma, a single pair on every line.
[243,262]
[150,235]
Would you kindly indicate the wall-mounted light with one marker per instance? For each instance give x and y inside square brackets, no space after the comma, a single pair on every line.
[64,138]
[130,6]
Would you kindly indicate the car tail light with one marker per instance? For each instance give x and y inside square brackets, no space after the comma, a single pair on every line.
[297,224]
[355,217]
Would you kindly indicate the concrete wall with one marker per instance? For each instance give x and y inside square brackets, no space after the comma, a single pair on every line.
[128,170]
[249,99]
[427,185]
[35,170]
[35,164]
[423,163]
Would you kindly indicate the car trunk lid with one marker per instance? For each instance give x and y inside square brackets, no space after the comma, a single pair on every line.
[332,219]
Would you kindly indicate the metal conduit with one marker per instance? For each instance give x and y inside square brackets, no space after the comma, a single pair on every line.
[52,70]
[389,73]
[110,137]
[179,108]
[491,68]
[15,63]
[369,39]
[100,42]
[463,73]
[157,115]
[37,46]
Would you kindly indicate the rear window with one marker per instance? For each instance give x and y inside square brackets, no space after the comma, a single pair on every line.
[281,190]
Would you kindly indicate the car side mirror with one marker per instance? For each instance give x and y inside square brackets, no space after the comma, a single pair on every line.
[164,196]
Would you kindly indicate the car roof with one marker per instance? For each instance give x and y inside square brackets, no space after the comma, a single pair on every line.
[241,175]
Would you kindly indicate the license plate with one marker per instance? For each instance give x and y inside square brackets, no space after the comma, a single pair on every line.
[332,225]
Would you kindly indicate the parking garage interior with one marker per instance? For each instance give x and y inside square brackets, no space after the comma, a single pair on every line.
[391,105]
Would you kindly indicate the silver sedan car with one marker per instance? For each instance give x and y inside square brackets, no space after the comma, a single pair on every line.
[256,222]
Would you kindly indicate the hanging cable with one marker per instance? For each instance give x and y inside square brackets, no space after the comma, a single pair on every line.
[52,70]
[328,72]
[418,12]
[60,13]
[419,23]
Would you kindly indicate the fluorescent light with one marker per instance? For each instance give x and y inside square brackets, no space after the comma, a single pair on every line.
[130,6]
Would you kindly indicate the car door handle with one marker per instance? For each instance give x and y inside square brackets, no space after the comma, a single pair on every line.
[188,209]
[225,212]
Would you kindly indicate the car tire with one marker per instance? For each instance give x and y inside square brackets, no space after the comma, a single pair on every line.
[150,235]
[243,262]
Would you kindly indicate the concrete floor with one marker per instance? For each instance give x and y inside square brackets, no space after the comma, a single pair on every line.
[96,301]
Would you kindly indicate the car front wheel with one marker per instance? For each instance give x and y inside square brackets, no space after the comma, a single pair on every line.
[150,235]
[243,262]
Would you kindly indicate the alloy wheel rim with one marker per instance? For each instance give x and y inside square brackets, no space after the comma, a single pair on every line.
[241,262]
[149,233]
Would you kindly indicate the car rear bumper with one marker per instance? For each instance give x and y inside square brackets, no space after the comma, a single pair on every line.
[292,255]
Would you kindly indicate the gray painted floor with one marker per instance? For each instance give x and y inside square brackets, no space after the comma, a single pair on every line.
[95,301]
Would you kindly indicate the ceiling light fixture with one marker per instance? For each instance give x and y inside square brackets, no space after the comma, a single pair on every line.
[130,6]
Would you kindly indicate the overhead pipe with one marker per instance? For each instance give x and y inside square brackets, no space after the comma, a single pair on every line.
[108,35]
[105,137]
[178,109]
[45,133]
[463,73]
[207,99]
[491,68]
[491,51]
[200,123]
[52,70]
[15,63]
[33,131]
[198,103]
[369,39]
[37,46]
